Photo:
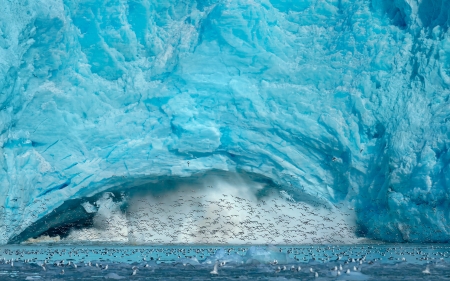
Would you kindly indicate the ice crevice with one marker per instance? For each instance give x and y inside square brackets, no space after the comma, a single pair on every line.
[333,102]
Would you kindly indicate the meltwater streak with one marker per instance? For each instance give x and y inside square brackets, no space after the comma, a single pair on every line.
[215,211]
[307,262]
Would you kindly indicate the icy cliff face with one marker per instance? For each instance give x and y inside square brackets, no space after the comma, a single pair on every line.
[340,101]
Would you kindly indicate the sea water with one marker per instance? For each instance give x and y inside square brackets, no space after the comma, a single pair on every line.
[225,262]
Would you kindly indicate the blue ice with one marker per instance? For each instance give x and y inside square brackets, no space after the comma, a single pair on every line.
[337,102]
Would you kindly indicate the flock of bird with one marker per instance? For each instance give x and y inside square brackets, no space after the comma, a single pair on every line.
[192,216]
[211,216]
[340,260]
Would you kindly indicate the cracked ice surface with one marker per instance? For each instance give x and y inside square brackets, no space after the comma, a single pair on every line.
[334,100]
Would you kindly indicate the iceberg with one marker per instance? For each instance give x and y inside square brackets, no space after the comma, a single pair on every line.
[337,104]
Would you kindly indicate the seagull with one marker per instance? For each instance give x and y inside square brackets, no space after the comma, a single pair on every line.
[214,271]
[426,271]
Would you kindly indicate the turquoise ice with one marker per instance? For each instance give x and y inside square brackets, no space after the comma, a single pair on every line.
[341,101]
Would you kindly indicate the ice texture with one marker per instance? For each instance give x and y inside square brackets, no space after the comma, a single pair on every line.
[343,101]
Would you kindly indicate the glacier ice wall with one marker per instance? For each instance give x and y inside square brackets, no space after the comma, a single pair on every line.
[345,101]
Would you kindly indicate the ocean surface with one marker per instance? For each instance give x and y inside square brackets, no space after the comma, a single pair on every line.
[207,262]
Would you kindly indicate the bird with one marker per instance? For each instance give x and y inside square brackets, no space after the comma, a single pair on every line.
[427,270]
[214,271]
